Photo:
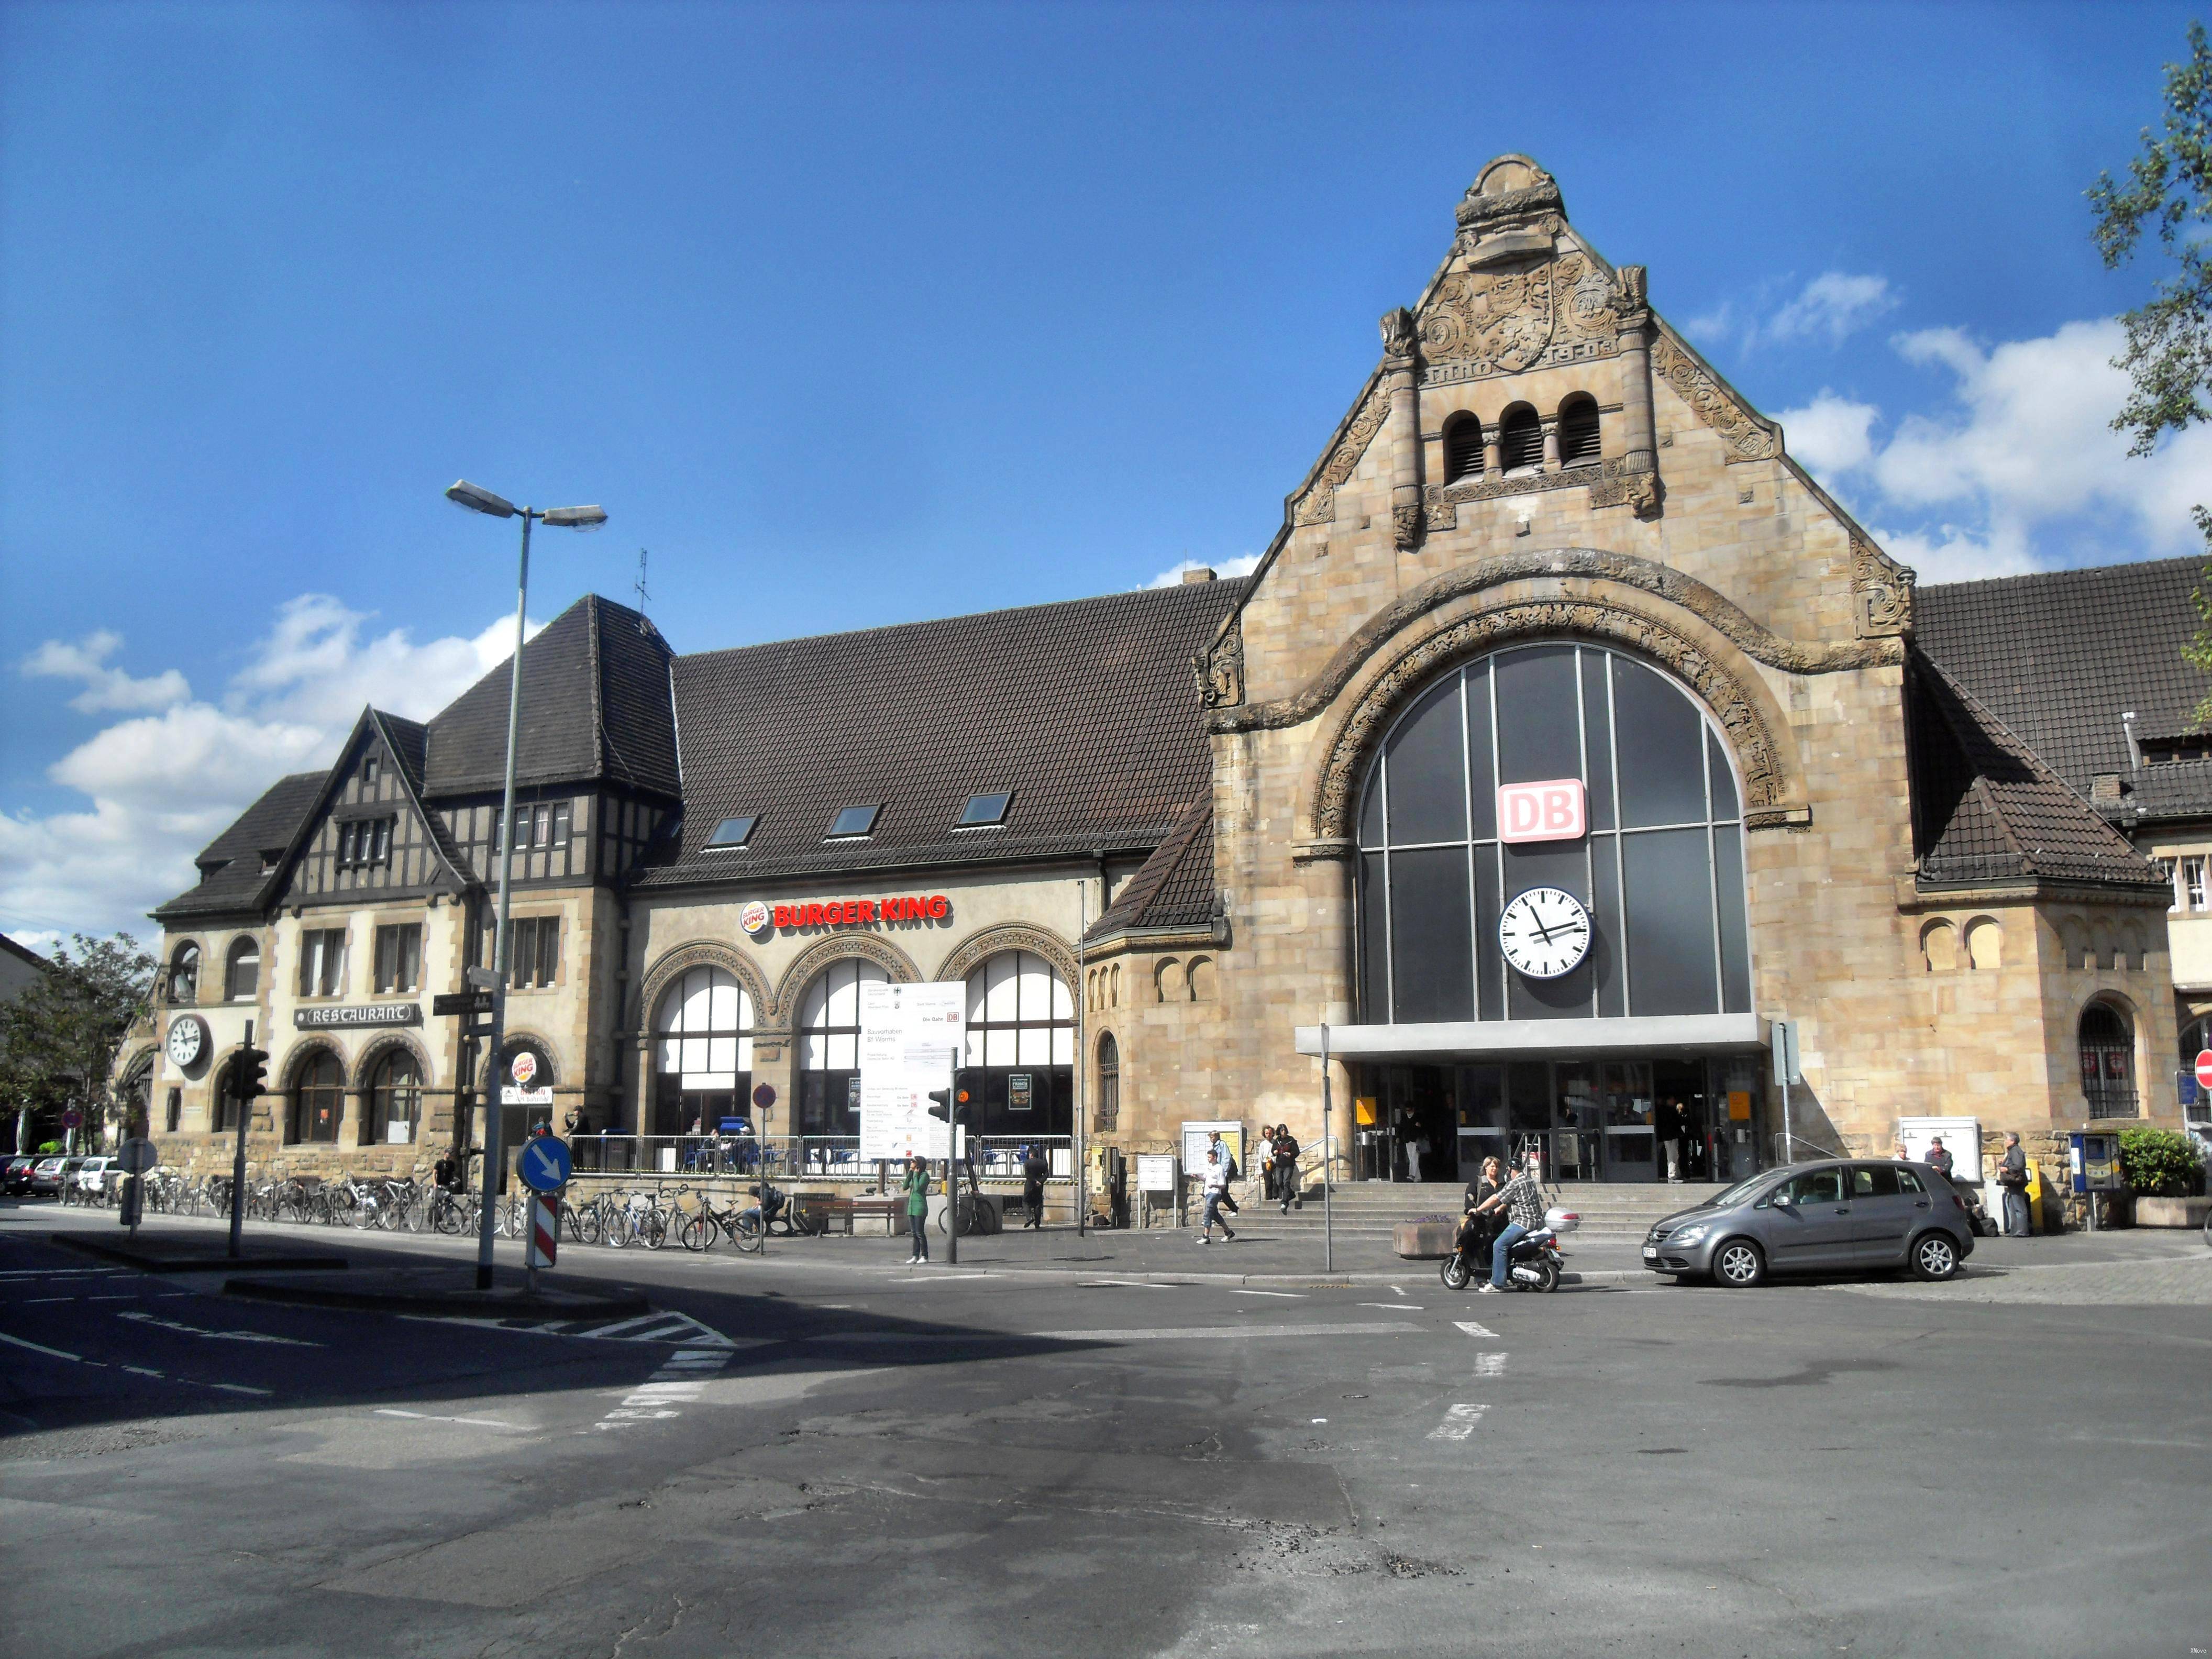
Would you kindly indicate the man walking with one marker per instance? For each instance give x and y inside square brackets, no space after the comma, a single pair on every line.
[917,1207]
[1286,1168]
[1216,1180]
[1034,1169]
[2012,1182]
[1523,1199]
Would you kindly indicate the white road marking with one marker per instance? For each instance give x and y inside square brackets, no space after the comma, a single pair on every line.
[220,1336]
[1490,1364]
[1459,1423]
[1187,1333]
[57,1272]
[1298,1296]
[681,1380]
[1395,1307]
[1084,1283]
[432,1417]
[39,1347]
[235,1388]
[1473,1329]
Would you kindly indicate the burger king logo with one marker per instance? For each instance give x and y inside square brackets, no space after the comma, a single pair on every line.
[754,918]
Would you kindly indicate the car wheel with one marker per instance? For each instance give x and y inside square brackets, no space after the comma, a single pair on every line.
[1935,1257]
[1739,1264]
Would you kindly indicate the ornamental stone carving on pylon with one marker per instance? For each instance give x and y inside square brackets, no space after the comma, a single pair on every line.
[1319,505]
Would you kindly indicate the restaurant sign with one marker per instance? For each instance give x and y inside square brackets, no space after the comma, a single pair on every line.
[356,1016]
[758,919]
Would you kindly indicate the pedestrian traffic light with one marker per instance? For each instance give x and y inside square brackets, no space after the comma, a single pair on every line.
[252,1074]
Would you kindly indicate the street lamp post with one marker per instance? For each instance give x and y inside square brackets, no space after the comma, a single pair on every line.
[569,517]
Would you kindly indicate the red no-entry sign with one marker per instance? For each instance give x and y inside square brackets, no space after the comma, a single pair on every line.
[2204,1069]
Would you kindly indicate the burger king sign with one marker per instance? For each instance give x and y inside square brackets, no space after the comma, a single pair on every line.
[754,918]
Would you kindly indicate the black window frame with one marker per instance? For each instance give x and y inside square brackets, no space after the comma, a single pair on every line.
[745,824]
[969,820]
[867,827]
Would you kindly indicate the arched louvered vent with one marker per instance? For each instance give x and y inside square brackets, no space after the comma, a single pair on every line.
[1578,440]
[1463,448]
[1521,440]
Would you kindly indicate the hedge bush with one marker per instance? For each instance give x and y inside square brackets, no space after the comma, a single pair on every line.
[2159,1163]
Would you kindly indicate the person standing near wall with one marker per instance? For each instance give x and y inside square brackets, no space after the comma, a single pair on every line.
[2012,1182]
[917,1207]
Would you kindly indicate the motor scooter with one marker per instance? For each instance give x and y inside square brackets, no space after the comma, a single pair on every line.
[1534,1264]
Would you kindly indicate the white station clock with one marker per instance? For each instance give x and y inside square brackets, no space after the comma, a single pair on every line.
[188,1040]
[1545,933]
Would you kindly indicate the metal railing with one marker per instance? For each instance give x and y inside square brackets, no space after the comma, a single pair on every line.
[796,1157]
[1785,1142]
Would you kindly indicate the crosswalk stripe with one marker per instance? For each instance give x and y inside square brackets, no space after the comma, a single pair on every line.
[1473,1329]
[1459,1423]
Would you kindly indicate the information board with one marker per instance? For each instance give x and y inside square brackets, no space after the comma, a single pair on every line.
[910,1034]
[1156,1173]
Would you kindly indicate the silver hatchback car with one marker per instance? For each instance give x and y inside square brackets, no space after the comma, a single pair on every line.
[1818,1217]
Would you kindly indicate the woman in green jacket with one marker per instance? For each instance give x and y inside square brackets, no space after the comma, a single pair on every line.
[917,1207]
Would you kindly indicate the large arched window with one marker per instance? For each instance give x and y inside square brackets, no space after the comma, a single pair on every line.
[2108,1061]
[1659,869]
[241,974]
[395,1100]
[1578,435]
[703,1069]
[318,1099]
[1021,1031]
[830,1048]
[1109,1084]
[1463,448]
[1520,440]
[184,975]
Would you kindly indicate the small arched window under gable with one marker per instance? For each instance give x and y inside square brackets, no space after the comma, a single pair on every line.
[1463,448]
[1520,439]
[1578,431]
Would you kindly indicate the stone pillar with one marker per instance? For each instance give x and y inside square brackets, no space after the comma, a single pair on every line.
[1493,458]
[1551,429]
[1398,367]
[1639,447]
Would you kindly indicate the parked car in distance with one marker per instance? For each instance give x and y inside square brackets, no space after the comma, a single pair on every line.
[94,1176]
[48,1176]
[15,1174]
[1837,1216]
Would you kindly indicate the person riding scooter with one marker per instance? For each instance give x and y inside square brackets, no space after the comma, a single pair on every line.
[1522,1201]
[1476,1233]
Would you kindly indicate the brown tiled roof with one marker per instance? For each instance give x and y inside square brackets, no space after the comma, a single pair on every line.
[1174,888]
[231,877]
[595,705]
[2059,656]
[1986,809]
[1086,710]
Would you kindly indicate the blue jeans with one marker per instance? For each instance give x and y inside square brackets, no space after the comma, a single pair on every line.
[1213,1212]
[2015,1213]
[919,1226]
[1502,1252]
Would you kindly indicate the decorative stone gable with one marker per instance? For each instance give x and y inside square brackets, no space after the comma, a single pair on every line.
[1881,592]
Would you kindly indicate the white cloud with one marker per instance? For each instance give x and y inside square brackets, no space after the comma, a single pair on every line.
[105,688]
[161,785]
[1828,310]
[1834,305]
[1242,565]
[2021,470]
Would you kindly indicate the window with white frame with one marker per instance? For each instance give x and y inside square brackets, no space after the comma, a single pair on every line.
[2192,882]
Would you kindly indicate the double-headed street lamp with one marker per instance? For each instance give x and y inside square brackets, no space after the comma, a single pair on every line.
[568,518]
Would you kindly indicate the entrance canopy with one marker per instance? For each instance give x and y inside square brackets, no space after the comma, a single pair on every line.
[1501,1038]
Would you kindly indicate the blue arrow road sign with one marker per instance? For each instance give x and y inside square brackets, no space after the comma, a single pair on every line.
[544,1166]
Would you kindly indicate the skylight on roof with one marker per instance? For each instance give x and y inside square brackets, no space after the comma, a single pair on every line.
[982,810]
[855,820]
[732,832]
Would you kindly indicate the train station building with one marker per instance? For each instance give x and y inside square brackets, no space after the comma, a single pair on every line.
[1567,736]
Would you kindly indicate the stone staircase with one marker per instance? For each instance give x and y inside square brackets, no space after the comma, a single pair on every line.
[1374,1209]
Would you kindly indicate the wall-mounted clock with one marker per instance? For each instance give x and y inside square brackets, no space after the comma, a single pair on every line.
[188,1040]
[1545,933]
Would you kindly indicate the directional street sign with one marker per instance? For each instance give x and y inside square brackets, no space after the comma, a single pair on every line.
[544,1166]
[462,1002]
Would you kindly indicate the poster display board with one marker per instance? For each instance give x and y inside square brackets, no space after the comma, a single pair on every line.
[909,1036]
[1156,1174]
[1962,1138]
[1195,1135]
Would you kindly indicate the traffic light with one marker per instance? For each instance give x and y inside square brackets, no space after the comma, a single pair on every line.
[965,1089]
[252,1074]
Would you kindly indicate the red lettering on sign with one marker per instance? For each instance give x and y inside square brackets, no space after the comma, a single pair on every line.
[894,909]
[939,908]
[867,909]
[779,916]
[809,916]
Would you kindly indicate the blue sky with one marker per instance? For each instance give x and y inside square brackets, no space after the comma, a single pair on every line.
[857,314]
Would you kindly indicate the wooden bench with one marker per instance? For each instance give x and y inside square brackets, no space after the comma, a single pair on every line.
[892,1209]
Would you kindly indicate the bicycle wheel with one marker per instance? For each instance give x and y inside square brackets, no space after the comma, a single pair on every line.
[653,1228]
[590,1225]
[746,1232]
[697,1233]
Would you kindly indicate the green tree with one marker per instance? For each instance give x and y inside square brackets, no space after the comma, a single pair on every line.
[2169,355]
[58,1040]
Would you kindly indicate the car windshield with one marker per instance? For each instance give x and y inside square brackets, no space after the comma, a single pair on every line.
[1735,1194]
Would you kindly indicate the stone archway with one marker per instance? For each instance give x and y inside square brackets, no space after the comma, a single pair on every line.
[980,948]
[673,964]
[837,947]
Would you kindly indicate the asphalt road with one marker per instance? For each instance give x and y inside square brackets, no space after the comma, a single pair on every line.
[829,1453]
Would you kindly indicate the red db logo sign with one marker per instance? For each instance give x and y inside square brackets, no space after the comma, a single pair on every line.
[1542,812]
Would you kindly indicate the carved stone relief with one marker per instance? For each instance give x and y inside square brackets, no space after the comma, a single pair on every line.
[1482,321]
[703,953]
[1319,505]
[1609,482]
[1881,592]
[1336,793]
[1220,669]
[1407,525]
[1748,437]
[836,948]
[1011,936]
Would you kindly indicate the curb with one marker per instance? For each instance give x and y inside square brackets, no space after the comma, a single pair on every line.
[452,1304]
[146,1261]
